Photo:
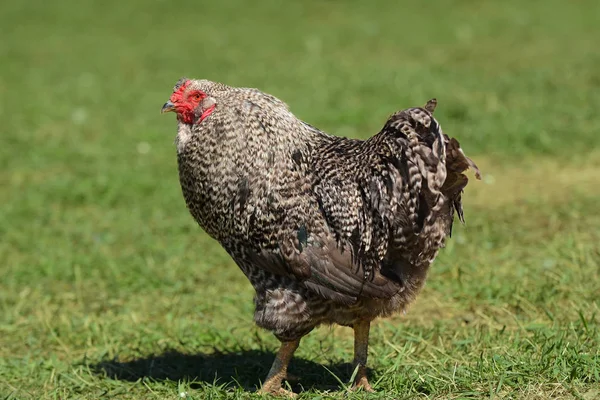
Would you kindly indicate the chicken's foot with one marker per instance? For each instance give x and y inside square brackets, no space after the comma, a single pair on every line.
[278,372]
[361,349]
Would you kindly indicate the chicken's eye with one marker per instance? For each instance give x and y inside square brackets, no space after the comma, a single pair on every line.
[196,96]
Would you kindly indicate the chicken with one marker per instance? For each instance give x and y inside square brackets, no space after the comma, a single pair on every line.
[328,230]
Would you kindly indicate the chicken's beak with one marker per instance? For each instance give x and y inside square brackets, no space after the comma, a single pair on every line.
[168,106]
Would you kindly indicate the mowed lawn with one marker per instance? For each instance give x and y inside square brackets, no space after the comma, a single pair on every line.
[109,289]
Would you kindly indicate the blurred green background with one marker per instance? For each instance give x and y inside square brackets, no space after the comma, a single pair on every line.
[109,288]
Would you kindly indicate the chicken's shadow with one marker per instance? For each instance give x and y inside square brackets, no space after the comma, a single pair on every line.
[244,368]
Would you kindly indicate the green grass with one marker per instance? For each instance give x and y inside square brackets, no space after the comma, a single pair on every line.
[108,288]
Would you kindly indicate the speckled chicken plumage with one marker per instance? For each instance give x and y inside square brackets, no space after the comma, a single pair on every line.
[327,229]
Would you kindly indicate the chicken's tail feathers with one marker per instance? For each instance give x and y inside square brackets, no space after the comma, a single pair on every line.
[430,106]
[435,164]
[418,142]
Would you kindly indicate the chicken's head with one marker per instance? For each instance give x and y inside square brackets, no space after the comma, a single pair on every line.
[190,101]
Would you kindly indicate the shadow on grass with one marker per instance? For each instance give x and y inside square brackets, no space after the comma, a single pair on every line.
[245,368]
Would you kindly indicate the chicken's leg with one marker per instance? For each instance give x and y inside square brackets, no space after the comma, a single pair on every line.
[361,349]
[278,372]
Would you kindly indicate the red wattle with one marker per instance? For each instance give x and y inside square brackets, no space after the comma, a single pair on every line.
[206,113]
